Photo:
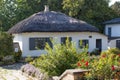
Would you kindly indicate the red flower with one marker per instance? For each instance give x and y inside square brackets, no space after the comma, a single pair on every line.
[78,64]
[113,68]
[103,55]
[86,63]
[82,60]
[119,55]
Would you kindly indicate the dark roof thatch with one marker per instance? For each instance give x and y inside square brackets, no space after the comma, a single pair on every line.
[50,21]
[113,21]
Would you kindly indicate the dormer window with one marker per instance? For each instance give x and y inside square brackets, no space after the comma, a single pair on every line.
[109,32]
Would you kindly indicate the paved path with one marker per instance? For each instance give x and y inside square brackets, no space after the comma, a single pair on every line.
[12,72]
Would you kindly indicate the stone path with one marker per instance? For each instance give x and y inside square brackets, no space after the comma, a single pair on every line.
[12,72]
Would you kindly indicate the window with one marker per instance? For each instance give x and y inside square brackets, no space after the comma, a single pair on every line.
[109,32]
[63,39]
[83,43]
[38,43]
[118,44]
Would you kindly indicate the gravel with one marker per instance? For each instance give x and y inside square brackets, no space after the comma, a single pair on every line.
[12,72]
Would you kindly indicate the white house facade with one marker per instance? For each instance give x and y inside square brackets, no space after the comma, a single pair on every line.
[24,40]
[37,29]
[112,30]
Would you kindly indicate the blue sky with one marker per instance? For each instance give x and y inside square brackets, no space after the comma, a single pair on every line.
[113,1]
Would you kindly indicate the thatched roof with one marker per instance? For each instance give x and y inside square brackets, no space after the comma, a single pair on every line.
[113,21]
[51,21]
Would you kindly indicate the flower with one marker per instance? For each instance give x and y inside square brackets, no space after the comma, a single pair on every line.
[113,68]
[103,56]
[86,63]
[119,55]
[78,64]
[82,60]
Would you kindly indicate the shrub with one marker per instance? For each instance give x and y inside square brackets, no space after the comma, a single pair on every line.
[58,59]
[114,51]
[28,59]
[103,68]
[17,55]
[6,44]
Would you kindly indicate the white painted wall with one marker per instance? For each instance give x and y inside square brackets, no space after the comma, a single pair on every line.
[18,39]
[23,39]
[115,30]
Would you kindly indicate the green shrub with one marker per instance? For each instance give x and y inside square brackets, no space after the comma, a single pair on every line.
[17,55]
[114,51]
[6,44]
[58,59]
[28,59]
[103,68]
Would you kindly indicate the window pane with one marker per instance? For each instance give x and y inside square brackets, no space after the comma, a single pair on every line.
[39,43]
[83,43]
[109,32]
[63,39]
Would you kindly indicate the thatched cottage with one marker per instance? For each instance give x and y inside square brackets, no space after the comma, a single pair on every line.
[37,29]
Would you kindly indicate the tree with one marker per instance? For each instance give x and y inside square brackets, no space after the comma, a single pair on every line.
[7,9]
[94,12]
[116,7]
[13,11]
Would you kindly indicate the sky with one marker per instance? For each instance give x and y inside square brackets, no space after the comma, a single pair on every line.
[113,1]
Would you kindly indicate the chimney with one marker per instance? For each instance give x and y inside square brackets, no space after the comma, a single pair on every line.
[46,8]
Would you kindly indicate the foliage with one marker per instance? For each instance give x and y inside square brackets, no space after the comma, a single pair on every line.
[28,59]
[94,12]
[32,71]
[13,11]
[104,66]
[116,7]
[58,59]
[91,11]
[6,44]
[17,55]
[114,51]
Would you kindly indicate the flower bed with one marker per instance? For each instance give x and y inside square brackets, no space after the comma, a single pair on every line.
[103,67]
[62,57]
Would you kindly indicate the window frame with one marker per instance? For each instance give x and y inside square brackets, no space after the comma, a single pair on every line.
[65,38]
[85,43]
[34,43]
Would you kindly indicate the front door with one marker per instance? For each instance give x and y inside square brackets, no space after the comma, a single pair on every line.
[99,44]
[118,44]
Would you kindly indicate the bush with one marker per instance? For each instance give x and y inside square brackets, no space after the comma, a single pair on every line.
[6,44]
[103,68]
[114,51]
[58,59]
[17,55]
[28,59]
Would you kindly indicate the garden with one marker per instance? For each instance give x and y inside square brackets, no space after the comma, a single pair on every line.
[105,66]
[60,57]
